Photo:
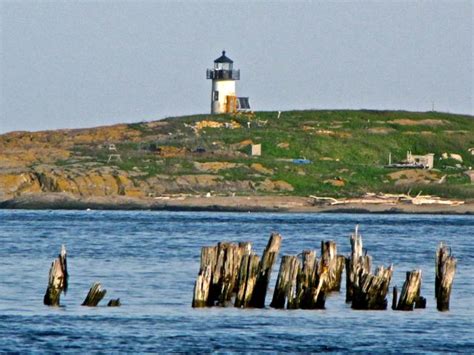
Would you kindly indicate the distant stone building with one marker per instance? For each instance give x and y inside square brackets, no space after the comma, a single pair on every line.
[426,161]
[256,149]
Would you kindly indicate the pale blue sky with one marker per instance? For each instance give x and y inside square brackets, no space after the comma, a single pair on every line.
[68,64]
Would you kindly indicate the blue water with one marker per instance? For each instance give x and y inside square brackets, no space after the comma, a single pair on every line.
[150,260]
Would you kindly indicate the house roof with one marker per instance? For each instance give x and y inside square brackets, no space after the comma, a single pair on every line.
[223,59]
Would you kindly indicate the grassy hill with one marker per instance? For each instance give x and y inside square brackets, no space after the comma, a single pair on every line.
[347,151]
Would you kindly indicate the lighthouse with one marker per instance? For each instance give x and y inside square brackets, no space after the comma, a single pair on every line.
[223,95]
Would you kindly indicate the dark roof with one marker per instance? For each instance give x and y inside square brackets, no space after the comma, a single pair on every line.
[223,59]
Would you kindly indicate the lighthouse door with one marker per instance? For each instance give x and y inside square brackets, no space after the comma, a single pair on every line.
[231,104]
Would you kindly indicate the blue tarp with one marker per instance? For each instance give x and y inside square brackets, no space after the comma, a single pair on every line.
[301,161]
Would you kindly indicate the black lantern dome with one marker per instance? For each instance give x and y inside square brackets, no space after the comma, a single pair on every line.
[224,59]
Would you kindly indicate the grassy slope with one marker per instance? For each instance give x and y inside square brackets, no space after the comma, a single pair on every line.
[358,153]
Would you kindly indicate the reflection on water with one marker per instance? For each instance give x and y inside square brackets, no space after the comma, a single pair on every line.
[150,260]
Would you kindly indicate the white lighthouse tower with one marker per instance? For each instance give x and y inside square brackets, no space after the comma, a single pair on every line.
[223,75]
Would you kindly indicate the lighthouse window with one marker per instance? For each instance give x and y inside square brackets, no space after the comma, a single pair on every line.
[216,95]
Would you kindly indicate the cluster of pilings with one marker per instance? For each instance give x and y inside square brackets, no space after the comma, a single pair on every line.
[58,283]
[364,289]
[232,274]
[231,270]
[304,282]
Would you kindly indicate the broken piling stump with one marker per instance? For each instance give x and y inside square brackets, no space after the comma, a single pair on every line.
[114,303]
[244,248]
[371,290]
[225,273]
[358,261]
[95,295]
[445,268]
[247,280]
[269,257]
[202,288]
[333,264]
[394,298]
[311,288]
[316,296]
[410,297]
[306,278]
[285,288]
[203,282]
[58,279]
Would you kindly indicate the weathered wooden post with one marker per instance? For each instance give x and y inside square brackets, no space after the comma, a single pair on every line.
[285,289]
[244,248]
[311,287]
[95,295]
[394,298]
[247,280]
[264,271]
[410,295]
[357,261]
[202,286]
[58,279]
[223,277]
[371,291]
[229,272]
[316,298]
[306,278]
[445,269]
[114,303]
[333,264]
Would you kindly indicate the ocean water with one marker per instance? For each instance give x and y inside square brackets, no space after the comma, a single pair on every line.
[150,260]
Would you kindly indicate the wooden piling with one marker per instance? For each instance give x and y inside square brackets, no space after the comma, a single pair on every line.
[114,303]
[208,257]
[311,284]
[306,278]
[223,274]
[445,268]
[410,291]
[357,261]
[420,302]
[216,274]
[394,298]
[247,280]
[333,264]
[202,286]
[371,291]
[229,274]
[58,279]
[317,295]
[95,295]
[285,288]
[269,257]
[244,248]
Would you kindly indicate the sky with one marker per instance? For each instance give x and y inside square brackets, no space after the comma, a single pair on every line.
[71,64]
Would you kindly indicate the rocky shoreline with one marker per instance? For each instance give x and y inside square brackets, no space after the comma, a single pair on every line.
[290,204]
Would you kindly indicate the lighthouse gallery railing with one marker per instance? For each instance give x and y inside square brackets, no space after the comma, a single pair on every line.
[223,74]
